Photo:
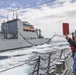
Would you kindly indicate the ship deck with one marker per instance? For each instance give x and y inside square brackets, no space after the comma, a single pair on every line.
[69,66]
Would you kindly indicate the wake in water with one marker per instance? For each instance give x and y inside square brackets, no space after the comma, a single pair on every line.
[27,55]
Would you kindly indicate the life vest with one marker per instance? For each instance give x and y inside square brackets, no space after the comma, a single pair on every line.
[72,48]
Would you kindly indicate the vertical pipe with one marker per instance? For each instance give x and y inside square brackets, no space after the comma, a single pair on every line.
[7,17]
[13,14]
[61,54]
[7,29]
[34,69]
[48,64]
[16,15]
[38,66]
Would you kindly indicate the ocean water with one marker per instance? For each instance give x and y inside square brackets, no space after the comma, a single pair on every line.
[25,57]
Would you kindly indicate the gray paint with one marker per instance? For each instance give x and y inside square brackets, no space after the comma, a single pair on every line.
[13,27]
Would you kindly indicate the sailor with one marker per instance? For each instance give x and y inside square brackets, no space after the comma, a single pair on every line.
[72,48]
[72,43]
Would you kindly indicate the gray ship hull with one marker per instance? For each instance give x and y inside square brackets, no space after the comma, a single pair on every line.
[17,44]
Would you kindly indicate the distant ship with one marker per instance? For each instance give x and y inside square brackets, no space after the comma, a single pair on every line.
[17,34]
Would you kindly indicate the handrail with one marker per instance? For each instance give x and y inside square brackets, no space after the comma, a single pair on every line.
[52,67]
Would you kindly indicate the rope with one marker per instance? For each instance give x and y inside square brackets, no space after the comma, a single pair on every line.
[48,41]
[25,39]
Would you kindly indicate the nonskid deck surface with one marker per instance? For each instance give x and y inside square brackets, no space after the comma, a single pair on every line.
[69,65]
[70,72]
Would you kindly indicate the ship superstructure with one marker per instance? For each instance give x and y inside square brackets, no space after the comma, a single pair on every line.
[10,30]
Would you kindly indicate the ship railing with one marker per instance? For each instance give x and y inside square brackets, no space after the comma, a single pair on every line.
[50,68]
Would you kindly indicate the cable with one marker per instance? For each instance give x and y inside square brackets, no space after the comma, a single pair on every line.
[25,39]
[48,41]
[33,43]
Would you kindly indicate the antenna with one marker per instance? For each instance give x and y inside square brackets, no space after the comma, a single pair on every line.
[7,17]
[13,14]
[16,15]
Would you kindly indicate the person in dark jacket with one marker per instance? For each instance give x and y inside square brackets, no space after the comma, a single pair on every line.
[72,48]
[72,43]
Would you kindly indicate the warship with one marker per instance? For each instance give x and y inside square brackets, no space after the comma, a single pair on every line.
[16,34]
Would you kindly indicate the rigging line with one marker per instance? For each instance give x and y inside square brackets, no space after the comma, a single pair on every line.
[25,39]
[59,35]
[31,42]
[48,41]
[36,44]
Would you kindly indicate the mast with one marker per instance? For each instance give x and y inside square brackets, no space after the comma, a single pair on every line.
[13,14]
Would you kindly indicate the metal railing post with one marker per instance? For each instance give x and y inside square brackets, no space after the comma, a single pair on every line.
[38,65]
[61,54]
[48,64]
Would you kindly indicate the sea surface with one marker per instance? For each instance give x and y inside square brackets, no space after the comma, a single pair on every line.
[22,61]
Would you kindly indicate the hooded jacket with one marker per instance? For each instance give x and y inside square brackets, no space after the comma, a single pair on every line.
[73,43]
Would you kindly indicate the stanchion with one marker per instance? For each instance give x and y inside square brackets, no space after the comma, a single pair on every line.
[63,62]
[59,67]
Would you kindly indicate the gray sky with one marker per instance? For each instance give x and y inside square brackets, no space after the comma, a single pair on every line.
[48,18]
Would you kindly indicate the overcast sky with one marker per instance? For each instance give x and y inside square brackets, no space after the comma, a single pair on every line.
[48,16]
